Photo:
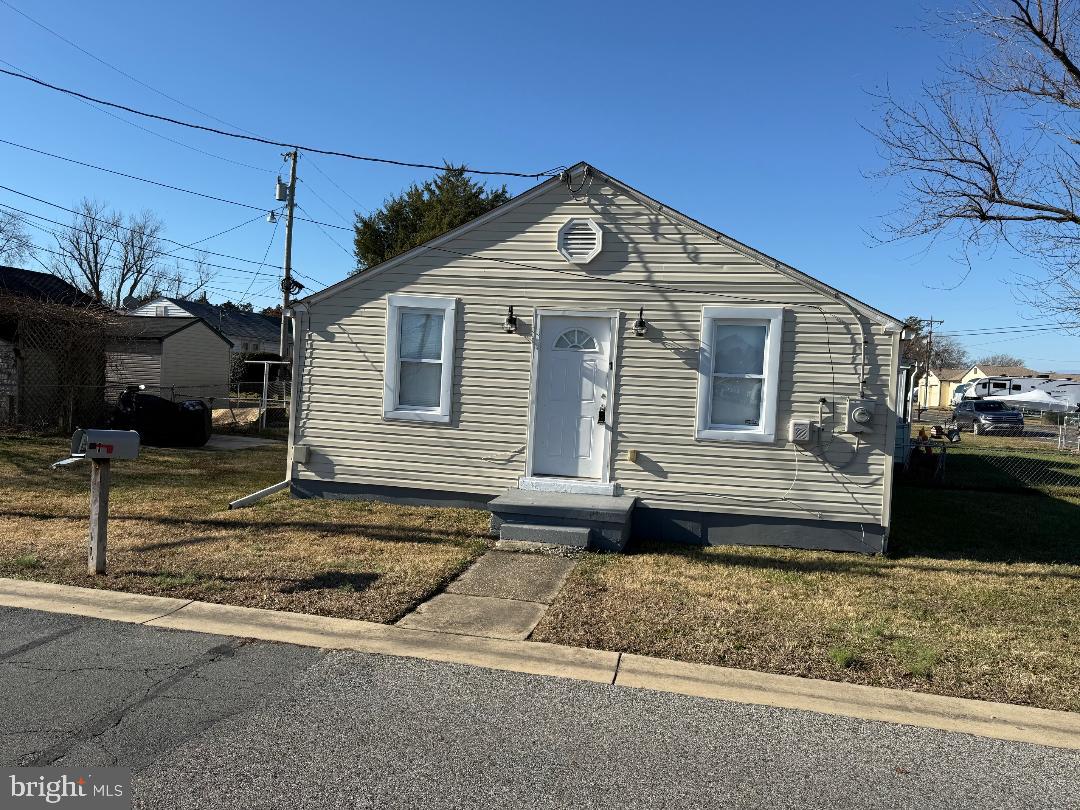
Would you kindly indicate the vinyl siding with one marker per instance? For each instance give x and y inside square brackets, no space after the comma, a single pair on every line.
[137,362]
[482,449]
[195,364]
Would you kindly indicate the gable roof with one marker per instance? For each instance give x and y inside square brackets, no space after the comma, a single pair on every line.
[1004,371]
[584,168]
[236,322]
[950,374]
[157,327]
[42,287]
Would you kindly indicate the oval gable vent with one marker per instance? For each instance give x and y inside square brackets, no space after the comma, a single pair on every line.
[580,240]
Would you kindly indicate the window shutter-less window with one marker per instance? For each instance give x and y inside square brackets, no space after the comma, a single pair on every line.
[738,376]
[419,358]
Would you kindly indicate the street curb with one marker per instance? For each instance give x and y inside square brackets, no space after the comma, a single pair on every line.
[981,718]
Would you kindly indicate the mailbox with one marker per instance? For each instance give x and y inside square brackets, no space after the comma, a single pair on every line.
[105,444]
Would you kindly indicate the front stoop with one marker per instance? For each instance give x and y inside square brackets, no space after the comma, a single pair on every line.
[600,522]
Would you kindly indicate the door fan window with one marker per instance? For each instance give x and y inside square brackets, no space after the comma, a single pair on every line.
[577,339]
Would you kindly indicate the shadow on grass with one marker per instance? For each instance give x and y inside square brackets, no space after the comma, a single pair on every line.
[372,531]
[320,581]
[332,580]
[802,563]
[994,527]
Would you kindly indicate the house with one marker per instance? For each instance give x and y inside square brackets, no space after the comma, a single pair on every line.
[248,332]
[977,372]
[52,352]
[936,388]
[590,364]
[175,358]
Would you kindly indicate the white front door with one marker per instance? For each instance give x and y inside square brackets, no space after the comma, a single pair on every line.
[571,391]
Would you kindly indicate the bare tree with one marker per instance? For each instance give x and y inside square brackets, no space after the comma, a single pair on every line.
[85,248]
[140,249]
[991,153]
[182,281]
[999,360]
[15,242]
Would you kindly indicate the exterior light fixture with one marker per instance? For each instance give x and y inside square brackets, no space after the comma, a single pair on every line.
[271,218]
[510,324]
[640,327]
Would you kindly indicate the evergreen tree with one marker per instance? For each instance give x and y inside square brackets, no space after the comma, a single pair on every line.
[421,213]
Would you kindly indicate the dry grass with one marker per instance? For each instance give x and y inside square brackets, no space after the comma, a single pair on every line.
[172,535]
[981,599]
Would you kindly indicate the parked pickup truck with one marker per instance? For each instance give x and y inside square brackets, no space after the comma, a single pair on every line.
[984,416]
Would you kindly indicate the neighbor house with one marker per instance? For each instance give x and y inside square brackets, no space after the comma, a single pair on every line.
[977,372]
[175,358]
[588,364]
[936,388]
[248,332]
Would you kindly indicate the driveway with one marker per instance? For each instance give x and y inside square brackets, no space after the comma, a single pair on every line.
[208,721]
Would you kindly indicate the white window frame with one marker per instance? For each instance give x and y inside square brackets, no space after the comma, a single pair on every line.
[771,317]
[395,303]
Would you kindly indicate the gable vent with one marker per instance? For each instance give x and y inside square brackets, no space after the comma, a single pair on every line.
[580,240]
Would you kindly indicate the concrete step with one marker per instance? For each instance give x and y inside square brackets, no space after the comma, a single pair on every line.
[573,536]
[605,518]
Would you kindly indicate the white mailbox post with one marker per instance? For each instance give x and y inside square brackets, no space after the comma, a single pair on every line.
[101,447]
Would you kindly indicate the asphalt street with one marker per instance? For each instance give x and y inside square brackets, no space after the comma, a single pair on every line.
[214,722]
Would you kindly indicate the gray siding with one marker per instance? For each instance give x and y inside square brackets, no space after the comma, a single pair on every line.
[135,362]
[482,449]
[195,364]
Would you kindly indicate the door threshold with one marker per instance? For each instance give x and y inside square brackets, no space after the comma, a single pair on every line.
[573,486]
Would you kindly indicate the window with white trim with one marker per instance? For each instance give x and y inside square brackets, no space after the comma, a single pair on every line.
[419,368]
[738,373]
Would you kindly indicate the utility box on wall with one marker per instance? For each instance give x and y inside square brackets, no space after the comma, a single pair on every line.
[859,417]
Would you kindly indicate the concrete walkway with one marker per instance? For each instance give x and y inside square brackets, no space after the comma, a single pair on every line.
[503,595]
[229,441]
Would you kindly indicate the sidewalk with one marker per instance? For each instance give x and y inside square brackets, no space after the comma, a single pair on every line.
[996,720]
[504,594]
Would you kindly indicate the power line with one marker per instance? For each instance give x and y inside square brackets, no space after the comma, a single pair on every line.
[97,219]
[266,141]
[113,67]
[344,249]
[158,276]
[1012,330]
[148,131]
[158,183]
[315,166]
[270,244]
[318,196]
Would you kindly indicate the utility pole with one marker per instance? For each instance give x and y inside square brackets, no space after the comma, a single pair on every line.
[929,354]
[287,282]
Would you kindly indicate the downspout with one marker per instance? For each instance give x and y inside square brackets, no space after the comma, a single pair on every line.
[299,312]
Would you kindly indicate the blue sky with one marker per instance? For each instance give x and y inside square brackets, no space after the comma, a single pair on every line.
[750,122]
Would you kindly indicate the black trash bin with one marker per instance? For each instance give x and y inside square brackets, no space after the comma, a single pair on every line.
[161,422]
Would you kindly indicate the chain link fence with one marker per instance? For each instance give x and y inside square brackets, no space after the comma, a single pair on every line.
[64,367]
[52,365]
[1043,456]
[251,407]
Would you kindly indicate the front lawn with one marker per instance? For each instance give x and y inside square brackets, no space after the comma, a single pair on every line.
[979,598]
[171,534]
